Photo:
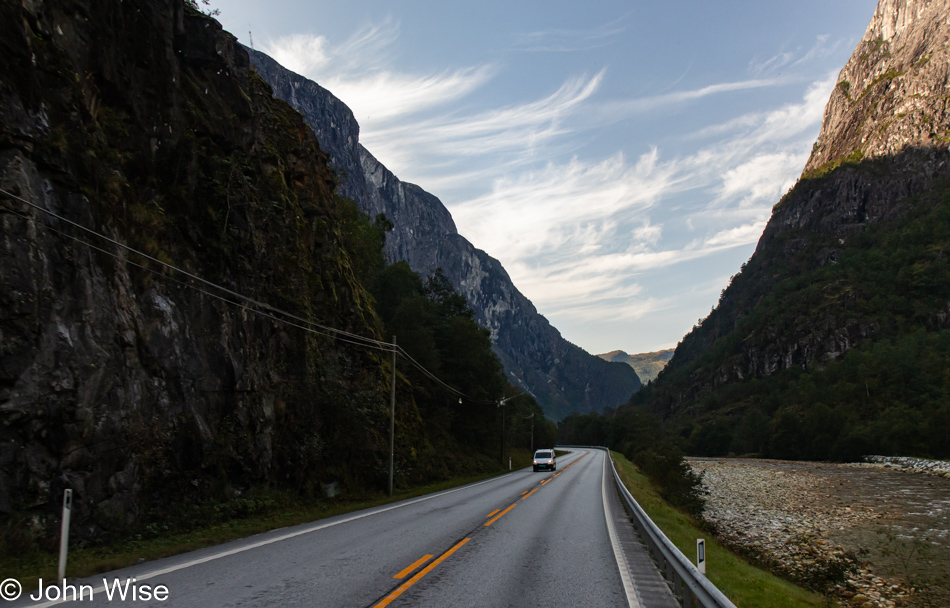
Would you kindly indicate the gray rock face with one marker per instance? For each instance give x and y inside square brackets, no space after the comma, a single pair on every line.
[562,377]
[892,93]
[129,386]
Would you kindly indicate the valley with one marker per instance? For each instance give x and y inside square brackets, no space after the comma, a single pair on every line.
[216,303]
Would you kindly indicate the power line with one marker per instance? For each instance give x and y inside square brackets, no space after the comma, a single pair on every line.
[230,292]
[261,308]
[456,392]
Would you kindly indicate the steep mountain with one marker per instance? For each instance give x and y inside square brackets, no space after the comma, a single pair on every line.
[562,377]
[833,338]
[647,365]
[136,139]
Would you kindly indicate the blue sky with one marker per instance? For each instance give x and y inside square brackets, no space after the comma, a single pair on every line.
[620,158]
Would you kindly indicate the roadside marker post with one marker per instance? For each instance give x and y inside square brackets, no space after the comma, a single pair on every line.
[64,533]
[701,555]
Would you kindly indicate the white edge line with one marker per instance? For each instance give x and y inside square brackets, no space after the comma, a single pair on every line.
[277,539]
[628,586]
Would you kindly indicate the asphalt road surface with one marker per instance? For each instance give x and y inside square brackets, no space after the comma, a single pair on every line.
[522,539]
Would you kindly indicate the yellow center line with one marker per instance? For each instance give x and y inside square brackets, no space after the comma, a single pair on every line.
[493,512]
[543,482]
[525,492]
[399,590]
[414,565]
[497,517]
[556,474]
[529,494]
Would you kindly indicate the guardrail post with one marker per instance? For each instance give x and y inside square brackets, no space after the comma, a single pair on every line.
[64,533]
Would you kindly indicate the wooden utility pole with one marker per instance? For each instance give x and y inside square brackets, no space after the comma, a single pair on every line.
[392,417]
[532,433]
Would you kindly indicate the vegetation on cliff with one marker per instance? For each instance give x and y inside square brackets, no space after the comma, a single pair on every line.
[436,327]
[857,333]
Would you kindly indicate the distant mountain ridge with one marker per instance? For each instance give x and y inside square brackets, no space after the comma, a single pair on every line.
[833,339]
[561,376]
[647,365]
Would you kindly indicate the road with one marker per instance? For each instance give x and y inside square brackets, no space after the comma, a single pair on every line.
[521,539]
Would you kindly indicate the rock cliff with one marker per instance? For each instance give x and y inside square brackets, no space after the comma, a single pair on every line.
[891,95]
[137,386]
[562,377]
[853,255]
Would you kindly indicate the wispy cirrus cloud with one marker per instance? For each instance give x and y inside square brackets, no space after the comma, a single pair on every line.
[359,72]
[617,110]
[568,41]
[821,48]
[576,236]
[562,209]
[515,135]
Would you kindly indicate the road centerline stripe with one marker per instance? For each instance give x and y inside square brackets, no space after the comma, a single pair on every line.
[493,512]
[415,579]
[499,516]
[529,493]
[413,566]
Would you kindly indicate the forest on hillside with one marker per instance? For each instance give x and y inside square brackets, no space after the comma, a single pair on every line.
[887,288]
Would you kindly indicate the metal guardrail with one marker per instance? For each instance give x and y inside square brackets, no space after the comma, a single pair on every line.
[690,586]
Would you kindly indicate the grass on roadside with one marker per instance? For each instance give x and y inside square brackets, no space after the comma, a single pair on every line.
[746,585]
[88,561]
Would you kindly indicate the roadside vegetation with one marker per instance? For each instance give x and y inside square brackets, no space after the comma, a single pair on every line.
[639,436]
[745,584]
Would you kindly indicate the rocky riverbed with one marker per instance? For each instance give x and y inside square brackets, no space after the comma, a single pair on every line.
[940,468]
[873,535]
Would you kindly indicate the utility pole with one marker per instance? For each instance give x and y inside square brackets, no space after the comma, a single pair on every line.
[501,404]
[392,417]
[532,432]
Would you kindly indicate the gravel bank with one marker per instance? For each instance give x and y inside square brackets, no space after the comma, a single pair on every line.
[778,513]
[940,468]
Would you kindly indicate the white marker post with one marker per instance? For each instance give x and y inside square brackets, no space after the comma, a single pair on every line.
[701,555]
[64,533]
[509,463]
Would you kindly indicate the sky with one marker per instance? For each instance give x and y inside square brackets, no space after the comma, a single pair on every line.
[620,159]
